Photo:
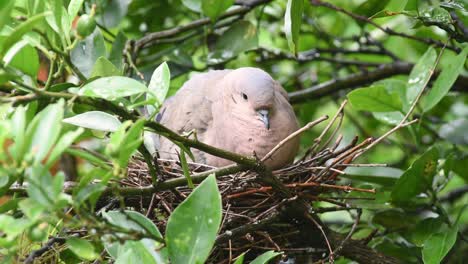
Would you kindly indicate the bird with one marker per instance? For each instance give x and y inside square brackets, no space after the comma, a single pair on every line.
[241,110]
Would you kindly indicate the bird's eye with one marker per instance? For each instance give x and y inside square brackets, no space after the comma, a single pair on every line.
[245,96]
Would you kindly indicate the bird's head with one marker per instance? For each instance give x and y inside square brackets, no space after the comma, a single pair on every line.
[251,95]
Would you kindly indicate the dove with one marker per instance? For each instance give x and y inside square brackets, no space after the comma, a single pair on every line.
[242,110]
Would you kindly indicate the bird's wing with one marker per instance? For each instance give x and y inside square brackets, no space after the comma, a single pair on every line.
[190,109]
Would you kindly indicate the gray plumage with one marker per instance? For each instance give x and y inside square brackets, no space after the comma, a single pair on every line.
[242,110]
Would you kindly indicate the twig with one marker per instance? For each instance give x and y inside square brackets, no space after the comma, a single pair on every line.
[39,252]
[386,30]
[293,135]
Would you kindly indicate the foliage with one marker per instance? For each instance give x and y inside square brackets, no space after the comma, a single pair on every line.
[83,80]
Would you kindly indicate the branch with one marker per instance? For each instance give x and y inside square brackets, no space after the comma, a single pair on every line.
[362,79]
[389,31]
[152,37]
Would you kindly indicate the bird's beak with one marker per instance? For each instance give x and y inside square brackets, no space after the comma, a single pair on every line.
[264,117]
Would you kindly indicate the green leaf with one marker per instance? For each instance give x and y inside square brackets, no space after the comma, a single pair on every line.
[82,248]
[131,141]
[385,176]
[265,257]
[391,219]
[455,131]
[57,10]
[86,52]
[44,130]
[86,155]
[132,221]
[89,191]
[370,7]
[240,37]
[192,227]
[41,186]
[74,7]
[240,259]
[23,57]
[104,68]
[112,12]
[194,5]
[18,129]
[96,120]
[292,23]
[444,81]
[142,251]
[435,15]
[5,9]
[418,178]
[424,229]
[20,30]
[391,118]
[214,8]
[111,88]
[420,75]
[158,86]
[375,99]
[63,143]
[31,208]
[117,51]
[438,245]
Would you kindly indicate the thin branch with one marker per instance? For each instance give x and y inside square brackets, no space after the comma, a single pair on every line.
[389,31]
[293,135]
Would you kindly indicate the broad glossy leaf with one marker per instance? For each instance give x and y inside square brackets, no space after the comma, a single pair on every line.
[240,259]
[158,86]
[375,99]
[455,131]
[44,130]
[417,178]
[391,219]
[91,190]
[214,8]
[265,257]
[5,9]
[55,21]
[438,245]
[391,118]
[116,53]
[424,229]
[142,251]
[113,12]
[104,68]
[63,143]
[41,186]
[444,81]
[82,248]
[31,208]
[86,52]
[23,57]
[385,176]
[96,120]
[420,75]
[18,129]
[292,23]
[370,7]
[240,37]
[132,220]
[436,15]
[194,5]
[111,88]
[74,7]
[192,227]
[20,30]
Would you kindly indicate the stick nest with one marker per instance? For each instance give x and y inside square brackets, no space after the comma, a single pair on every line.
[250,208]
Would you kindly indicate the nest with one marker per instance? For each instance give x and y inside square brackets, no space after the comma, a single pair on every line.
[251,209]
